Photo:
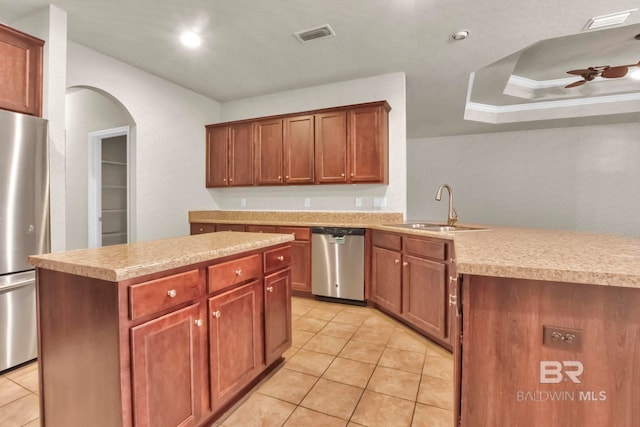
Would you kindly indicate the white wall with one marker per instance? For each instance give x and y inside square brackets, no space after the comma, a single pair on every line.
[86,111]
[390,87]
[578,178]
[50,25]
[169,141]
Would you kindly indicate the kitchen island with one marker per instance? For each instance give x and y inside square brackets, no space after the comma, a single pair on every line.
[162,333]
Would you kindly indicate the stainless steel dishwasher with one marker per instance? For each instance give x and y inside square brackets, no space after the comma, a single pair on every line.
[337,263]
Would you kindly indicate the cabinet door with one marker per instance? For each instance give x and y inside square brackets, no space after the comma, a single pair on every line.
[200,228]
[261,228]
[236,341]
[331,147]
[301,265]
[298,135]
[240,155]
[277,315]
[269,152]
[367,143]
[424,295]
[20,72]
[167,368]
[386,275]
[229,227]
[217,172]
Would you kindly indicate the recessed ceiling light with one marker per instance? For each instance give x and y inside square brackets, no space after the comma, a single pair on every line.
[190,39]
[608,20]
[635,75]
[460,35]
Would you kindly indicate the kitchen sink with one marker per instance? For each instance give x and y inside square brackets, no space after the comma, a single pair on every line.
[429,226]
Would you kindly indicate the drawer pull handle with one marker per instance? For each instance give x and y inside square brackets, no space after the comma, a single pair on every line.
[216,314]
[172,293]
[270,289]
[239,272]
[280,258]
[397,261]
[404,264]
[201,229]
[198,322]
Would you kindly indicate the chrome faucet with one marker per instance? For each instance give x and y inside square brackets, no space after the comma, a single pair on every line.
[453,213]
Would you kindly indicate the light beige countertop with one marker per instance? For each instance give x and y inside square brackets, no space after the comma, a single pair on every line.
[121,262]
[303,218]
[544,254]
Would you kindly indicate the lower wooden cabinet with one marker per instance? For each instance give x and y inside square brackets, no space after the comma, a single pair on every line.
[236,351]
[166,369]
[409,278]
[277,314]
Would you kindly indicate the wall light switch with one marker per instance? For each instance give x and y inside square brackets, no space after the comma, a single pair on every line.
[358,202]
[243,202]
[307,202]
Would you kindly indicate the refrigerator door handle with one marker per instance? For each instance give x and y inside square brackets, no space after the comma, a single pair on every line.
[7,285]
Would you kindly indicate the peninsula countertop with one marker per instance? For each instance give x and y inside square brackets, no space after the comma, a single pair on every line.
[128,261]
[543,254]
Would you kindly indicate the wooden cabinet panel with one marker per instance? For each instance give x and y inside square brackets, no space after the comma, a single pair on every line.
[299,143]
[20,72]
[261,228]
[301,266]
[277,314]
[234,272]
[386,279]
[200,228]
[240,154]
[166,369]
[277,258]
[268,152]
[235,341]
[229,227]
[156,295]
[425,248]
[368,144]
[331,147]
[424,295]
[386,240]
[299,233]
[217,152]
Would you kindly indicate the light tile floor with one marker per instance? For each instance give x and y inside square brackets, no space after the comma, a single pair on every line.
[351,366]
[348,366]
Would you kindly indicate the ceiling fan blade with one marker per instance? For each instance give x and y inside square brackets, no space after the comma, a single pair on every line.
[574,84]
[615,72]
[579,72]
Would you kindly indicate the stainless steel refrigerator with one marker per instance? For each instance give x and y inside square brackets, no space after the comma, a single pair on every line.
[24,231]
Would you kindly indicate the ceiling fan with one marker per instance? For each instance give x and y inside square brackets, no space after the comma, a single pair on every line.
[605,71]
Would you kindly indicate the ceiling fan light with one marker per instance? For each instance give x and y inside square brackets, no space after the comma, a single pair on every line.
[635,75]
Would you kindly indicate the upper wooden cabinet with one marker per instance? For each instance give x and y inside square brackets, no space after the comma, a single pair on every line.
[347,144]
[229,155]
[20,72]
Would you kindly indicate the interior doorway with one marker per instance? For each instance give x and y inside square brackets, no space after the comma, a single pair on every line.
[109,188]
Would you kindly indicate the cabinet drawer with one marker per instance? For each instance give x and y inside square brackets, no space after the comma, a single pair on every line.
[261,228]
[299,233]
[386,240]
[277,258]
[425,248]
[233,272]
[156,295]
[199,228]
[229,227]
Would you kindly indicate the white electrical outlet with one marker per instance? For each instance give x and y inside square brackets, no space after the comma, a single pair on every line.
[243,202]
[307,202]
[358,202]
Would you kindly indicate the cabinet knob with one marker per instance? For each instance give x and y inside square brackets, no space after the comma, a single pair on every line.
[404,264]
[198,322]
[280,258]
[201,228]
[224,179]
[230,179]
[351,173]
[397,261]
[239,272]
[341,174]
[270,289]
[279,176]
[286,177]
[216,314]
[172,293]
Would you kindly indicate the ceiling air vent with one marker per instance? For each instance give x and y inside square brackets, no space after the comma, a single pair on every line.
[314,33]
